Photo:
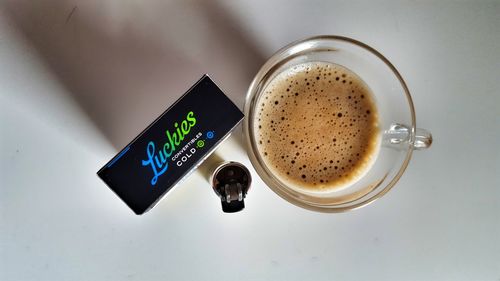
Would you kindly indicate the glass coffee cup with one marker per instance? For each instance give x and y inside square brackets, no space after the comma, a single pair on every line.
[398,135]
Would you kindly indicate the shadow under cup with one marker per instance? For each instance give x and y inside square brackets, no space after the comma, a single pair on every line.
[396,121]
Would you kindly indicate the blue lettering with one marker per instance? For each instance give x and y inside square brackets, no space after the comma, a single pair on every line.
[149,161]
[158,160]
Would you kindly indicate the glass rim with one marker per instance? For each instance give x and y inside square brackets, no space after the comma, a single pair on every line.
[252,151]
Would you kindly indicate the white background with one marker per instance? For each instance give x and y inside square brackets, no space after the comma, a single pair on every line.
[79,79]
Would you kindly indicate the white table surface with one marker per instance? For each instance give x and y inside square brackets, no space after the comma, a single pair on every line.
[79,79]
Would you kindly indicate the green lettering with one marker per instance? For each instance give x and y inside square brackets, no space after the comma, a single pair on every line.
[191,119]
[175,139]
[172,139]
[166,148]
[180,135]
[185,127]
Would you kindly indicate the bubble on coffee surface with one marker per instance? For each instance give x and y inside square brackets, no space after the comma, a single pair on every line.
[317,126]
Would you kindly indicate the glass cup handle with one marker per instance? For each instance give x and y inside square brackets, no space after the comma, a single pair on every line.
[398,137]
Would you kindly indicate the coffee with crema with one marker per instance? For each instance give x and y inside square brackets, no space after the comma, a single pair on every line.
[317,127]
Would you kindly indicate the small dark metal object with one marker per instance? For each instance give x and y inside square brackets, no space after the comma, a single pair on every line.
[231,181]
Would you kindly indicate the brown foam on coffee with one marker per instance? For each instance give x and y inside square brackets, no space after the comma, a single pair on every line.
[317,126]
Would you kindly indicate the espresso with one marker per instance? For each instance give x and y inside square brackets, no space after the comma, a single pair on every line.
[317,127]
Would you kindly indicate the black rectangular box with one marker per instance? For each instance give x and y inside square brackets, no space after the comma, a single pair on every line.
[172,146]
